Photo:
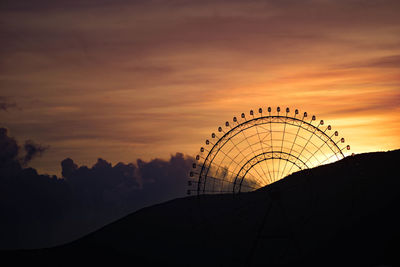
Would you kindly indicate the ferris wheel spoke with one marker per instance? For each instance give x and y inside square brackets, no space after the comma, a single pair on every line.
[255,152]
[242,154]
[305,149]
[231,182]
[230,150]
[327,159]
[261,127]
[283,138]
[313,154]
[232,160]
[272,144]
[266,135]
[295,138]
[308,141]
[237,164]
[262,149]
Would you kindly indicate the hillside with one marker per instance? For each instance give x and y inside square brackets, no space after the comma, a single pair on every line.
[343,213]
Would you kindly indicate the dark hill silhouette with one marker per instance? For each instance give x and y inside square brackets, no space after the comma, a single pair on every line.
[342,213]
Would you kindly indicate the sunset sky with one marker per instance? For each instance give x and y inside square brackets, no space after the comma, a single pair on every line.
[124,80]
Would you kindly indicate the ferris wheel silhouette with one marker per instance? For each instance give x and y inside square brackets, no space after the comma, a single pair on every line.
[261,148]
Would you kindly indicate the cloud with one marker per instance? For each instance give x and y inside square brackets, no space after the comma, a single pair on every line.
[5,104]
[385,62]
[9,150]
[32,150]
[42,210]
[392,61]
[380,104]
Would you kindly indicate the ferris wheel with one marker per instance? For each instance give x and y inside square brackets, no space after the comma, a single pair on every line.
[260,148]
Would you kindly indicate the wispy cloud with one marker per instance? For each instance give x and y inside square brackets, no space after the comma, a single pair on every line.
[5,104]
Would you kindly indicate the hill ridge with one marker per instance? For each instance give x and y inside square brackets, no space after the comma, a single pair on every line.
[344,212]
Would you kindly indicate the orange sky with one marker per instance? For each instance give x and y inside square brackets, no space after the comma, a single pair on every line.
[124,80]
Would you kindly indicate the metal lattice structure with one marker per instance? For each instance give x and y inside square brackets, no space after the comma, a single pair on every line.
[255,150]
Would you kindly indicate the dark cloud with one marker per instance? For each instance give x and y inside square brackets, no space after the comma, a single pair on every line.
[42,210]
[8,152]
[5,104]
[32,150]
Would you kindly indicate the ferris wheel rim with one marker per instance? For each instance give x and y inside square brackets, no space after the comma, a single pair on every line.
[266,117]
[225,162]
[273,157]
